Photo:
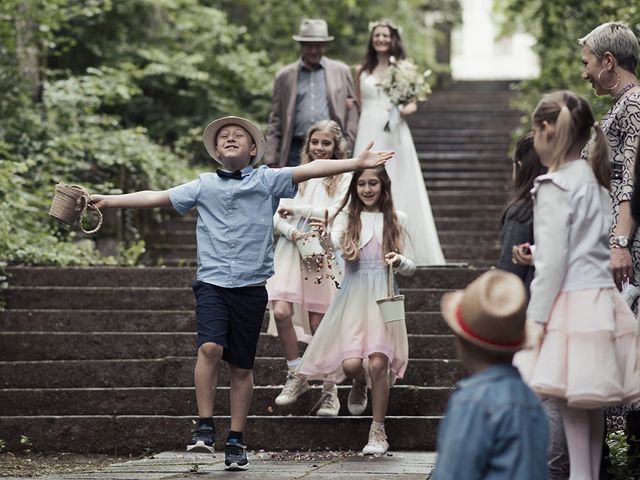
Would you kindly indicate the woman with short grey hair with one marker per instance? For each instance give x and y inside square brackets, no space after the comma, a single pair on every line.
[610,56]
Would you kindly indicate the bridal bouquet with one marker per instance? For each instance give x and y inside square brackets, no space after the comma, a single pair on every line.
[403,83]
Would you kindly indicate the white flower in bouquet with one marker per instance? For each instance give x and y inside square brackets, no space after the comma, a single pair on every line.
[403,83]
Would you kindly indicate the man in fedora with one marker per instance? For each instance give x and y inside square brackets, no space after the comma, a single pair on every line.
[494,426]
[309,90]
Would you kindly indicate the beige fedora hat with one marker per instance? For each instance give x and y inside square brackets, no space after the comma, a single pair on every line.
[313,30]
[211,132]
[490,312]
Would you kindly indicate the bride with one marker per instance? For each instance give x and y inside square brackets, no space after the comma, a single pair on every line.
[407,184]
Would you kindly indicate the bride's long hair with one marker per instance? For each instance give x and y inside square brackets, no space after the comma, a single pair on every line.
[370,60]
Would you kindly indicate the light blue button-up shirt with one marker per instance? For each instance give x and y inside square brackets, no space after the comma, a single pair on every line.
[495,428]
[234,231]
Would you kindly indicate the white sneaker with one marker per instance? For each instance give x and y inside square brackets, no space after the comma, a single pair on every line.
[329,403]
[378,444]
[295,386]
[357,401]
[630,292]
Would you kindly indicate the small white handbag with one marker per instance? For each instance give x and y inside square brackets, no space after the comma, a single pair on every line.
[392,306]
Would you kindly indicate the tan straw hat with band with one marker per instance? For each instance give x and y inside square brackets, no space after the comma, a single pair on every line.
[211,132]
[313,30]
[490,312]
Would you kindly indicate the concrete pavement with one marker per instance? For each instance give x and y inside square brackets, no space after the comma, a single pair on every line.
[269,466]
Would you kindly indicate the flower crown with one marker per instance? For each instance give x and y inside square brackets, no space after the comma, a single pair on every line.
[384,23]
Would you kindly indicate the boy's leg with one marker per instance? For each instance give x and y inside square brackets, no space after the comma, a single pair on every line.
[206,377]
[240,396]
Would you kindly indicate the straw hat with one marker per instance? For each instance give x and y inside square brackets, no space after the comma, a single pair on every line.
[313,30]
[490,312]
[211,132]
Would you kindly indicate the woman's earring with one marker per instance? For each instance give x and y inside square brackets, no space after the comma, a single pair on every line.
[614,86]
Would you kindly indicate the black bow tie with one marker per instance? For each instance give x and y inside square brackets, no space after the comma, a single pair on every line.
[237,175]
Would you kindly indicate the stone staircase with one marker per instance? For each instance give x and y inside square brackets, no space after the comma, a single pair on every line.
[101,359]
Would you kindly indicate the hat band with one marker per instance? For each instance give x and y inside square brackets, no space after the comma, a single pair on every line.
[467,329]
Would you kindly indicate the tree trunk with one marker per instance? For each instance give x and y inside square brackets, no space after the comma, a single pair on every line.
[27,51]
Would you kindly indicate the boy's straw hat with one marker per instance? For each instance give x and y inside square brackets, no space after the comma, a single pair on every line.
[211,131]
[490,312]
[313,30]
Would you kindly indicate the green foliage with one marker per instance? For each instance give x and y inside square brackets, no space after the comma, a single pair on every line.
[113,95]
[557,26]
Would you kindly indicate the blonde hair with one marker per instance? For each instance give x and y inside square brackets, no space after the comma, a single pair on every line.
[339,151]
[573,120]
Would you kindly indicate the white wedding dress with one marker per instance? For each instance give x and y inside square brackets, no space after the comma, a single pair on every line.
[407,184]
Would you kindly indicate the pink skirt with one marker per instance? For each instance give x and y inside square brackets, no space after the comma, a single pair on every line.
[292,283]
[589,354]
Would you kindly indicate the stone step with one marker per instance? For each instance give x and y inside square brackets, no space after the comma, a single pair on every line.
[465,197]
[464,237]
[444,224]
[30,346]
[474,253]
[156,433]
[477,210]
[488,133]
[431,145]
[466,184]
[26,320]
[404,400]
[498,178]
[454,167]
[178,372]
[165,298]
[428,277]
[462,156]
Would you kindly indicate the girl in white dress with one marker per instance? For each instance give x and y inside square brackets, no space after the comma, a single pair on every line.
[583,334]
[409,191]
[297,298]
[353,337]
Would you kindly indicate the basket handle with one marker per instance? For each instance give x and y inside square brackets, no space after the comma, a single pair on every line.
[85,204]
[390,282]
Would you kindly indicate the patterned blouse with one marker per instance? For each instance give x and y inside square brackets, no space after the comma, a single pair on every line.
[621,125]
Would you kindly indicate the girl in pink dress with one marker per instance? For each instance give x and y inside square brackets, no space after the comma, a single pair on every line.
[583,336]
[297,299]
[352,340]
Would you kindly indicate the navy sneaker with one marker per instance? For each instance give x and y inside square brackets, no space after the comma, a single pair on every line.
[235,455]
[202,441]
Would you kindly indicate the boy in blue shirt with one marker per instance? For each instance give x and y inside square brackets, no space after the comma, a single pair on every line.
[495,428]
[234,232]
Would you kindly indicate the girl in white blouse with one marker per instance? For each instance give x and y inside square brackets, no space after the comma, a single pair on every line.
[584,336]
[352,340]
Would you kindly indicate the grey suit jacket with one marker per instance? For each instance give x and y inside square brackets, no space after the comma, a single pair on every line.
[342,108]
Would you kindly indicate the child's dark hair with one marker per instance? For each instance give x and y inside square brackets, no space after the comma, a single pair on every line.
[339,151]
[370,60]
[392,232]
[573,119]
[527,167]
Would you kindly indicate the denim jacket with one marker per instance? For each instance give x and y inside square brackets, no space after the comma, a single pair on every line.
[495,428]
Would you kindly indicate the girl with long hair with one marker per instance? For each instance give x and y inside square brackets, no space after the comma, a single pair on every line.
[353,341]
[582,333]
[297,301]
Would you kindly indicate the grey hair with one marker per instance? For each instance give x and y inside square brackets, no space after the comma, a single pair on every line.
[616,38]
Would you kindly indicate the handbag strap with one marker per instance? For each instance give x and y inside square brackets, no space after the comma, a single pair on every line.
[86,197]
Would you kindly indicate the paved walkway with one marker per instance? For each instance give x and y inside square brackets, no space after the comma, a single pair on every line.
[270,466]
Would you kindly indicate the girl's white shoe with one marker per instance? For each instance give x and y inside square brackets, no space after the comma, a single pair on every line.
[378,444]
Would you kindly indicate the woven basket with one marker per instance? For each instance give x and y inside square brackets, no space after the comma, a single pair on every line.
[69,205]
[392,306]
[311,251]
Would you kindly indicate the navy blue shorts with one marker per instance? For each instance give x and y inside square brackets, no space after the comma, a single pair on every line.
[231,317]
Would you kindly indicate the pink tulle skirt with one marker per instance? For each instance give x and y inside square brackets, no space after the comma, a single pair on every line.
[589,354]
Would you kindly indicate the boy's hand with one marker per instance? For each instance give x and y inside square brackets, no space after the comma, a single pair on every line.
[285,212]
[98,201]
[371,159]
[392,258]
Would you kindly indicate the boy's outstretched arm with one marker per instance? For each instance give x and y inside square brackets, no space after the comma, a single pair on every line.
[326,168]
[143,199]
